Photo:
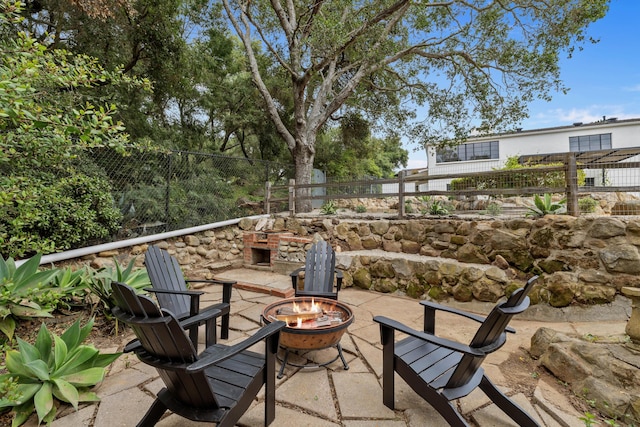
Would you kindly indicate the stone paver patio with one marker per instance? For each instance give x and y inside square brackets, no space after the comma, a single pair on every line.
[331,396]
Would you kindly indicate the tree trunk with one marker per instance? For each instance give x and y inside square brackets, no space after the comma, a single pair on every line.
[303,156]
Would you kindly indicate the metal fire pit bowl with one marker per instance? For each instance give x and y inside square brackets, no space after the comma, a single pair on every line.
[316,338]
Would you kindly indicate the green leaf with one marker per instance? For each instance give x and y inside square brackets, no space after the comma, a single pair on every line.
[23,412]
[4,270]
[15,363]
[29,268]
[60,353]
[85,330]
[104,360]
[85,395]
[539,204]
[43,401]
[39,369]
[66,392]
[71,335]
[43,343]
[33,311]
[76,360]
[8,326]
[88,377]
[27,391]
[28,351]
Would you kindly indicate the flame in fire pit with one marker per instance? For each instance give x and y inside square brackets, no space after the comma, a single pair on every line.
[314,308]
[308,316]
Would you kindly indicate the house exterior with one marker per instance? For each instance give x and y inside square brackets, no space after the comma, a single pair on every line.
[487,153]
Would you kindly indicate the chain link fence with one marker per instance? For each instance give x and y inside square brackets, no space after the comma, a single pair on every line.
[158,192]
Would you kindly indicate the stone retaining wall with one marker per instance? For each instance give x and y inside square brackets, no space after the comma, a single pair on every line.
[582,260]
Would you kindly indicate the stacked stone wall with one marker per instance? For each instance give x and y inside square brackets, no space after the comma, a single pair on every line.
[584,260]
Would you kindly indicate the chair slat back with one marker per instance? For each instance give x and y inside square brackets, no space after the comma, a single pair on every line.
[165,273]
[491,334]
[166,346]
[319,268]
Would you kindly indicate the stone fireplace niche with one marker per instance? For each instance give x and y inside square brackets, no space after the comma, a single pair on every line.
[261,257]
[274,250]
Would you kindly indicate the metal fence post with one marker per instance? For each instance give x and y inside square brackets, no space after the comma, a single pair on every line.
[571,179]
[401,176]
[292,197]
[167,195]
[267,197]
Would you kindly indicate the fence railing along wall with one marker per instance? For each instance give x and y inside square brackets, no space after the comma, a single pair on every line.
[618,181]
[158,192]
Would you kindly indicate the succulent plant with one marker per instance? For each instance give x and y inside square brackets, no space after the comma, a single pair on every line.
[54,367]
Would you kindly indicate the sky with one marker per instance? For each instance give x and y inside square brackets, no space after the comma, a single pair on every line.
[603,78]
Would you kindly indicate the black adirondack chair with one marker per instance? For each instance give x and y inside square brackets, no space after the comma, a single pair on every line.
[170,287]
[216,386]
[319,271]
[441,370]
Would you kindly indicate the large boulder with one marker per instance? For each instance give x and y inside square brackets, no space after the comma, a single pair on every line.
[604,372]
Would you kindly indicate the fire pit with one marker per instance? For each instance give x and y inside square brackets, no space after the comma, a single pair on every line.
[312,324]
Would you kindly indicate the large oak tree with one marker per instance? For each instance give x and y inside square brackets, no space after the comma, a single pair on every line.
[472,64]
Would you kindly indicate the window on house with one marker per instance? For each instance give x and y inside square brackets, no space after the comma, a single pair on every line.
[464,152]
[590,142]
[589,182]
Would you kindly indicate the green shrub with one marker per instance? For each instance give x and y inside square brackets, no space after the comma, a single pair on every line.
[408,207]
[494,209]
[47,213]
[361,209]
[587,205]
[511,178]
[54,366]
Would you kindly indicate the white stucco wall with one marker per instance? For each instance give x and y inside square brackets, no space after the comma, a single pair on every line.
[624,133]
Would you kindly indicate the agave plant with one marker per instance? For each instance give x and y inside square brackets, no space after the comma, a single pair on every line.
[24,292]
[545,206]
[54,367]
[437,208]
[71,285]
[100,284]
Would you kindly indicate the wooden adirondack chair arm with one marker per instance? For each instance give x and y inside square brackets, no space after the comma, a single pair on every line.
[430,310]
[226,352]
[385,322]
[167,291]
[200,318]
[214,281]
[227,286]
[194,320]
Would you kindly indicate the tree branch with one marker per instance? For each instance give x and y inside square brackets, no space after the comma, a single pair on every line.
[272,109]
